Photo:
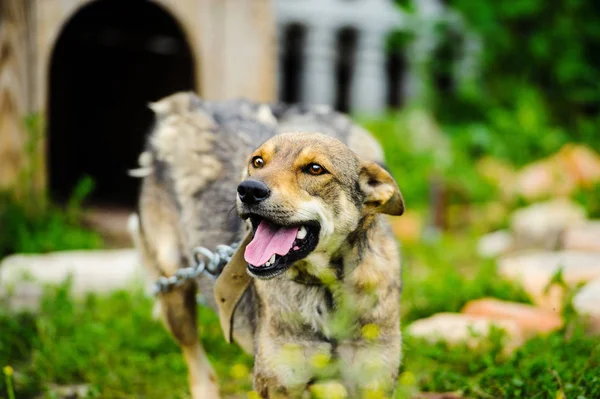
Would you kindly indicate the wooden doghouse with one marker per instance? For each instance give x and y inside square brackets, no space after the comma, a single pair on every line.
[87,70]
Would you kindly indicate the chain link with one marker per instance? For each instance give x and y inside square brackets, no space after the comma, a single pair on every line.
[205,260]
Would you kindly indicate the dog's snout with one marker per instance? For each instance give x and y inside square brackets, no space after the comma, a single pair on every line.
[253,191]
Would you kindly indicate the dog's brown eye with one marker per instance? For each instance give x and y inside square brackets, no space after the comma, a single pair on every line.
[258,162]
[315,169]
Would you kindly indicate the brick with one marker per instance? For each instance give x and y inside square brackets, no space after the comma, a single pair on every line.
[531,319]
[456,328]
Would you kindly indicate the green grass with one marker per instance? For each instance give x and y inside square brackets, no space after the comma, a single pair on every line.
[109,342]
[542,368]
[112,344]
[38,226]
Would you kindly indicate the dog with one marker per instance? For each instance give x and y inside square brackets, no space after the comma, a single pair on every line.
[306,191]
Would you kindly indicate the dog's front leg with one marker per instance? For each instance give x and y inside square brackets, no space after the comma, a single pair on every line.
[284,368]
[370,368]
[179,310]
[271,388]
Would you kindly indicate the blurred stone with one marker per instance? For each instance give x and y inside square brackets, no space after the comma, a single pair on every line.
[532,320]
[455,328]
[587,303]
[91,271]
[540,225]
[582,163]
[408,227]
[494,244]
[536,269]
[583,238]
[535,180]
[572,167]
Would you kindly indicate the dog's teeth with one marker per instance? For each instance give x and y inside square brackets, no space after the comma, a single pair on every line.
[272,260]
[301,233]
[268,263]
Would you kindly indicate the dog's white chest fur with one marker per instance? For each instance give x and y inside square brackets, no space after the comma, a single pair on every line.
[315,310]
[303,305]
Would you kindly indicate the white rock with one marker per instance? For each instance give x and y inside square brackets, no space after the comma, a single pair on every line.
[587,303]
[98,271]
[540,225]
[535,269]
[494,244]
[455,328]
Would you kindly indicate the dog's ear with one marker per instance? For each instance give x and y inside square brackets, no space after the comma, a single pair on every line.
[380,189]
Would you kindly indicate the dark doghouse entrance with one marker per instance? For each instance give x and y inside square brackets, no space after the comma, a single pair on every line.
[112,58]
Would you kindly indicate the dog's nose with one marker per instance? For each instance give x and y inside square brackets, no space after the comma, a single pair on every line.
[253,191]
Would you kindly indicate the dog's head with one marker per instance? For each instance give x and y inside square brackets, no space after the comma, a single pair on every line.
[305,193]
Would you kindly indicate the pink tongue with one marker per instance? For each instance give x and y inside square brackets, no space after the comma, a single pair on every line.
[269,240]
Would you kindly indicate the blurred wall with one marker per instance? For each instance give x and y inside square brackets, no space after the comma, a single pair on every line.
[340,50]
[231,42]
[15,99]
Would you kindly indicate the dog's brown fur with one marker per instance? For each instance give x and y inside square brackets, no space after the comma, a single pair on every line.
[197,155]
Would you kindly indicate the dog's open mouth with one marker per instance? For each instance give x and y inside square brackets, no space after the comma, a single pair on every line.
[274,247]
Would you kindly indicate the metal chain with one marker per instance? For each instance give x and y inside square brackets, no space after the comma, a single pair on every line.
[212,264]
